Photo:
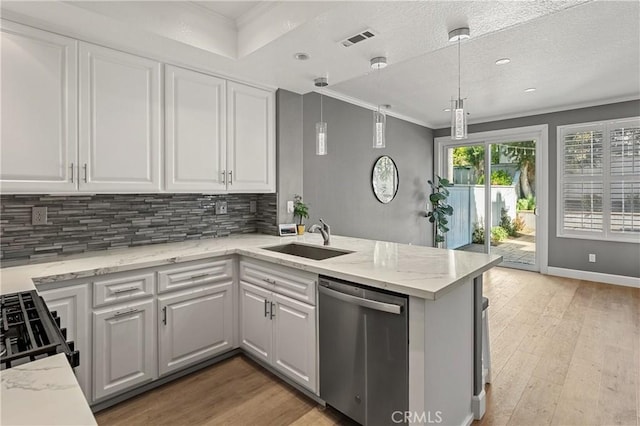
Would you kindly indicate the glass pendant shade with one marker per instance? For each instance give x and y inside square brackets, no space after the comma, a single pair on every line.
[321,138]
[458,120]
[379,129]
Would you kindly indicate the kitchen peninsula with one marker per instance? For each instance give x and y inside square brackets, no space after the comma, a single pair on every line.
[444,288]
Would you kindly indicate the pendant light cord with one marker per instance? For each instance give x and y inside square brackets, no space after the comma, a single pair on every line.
[321,120]
[459,68]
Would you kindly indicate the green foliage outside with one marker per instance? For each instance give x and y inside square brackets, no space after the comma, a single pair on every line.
[498,177]
[300,209]
[528,203]
[498,234]
[508,228]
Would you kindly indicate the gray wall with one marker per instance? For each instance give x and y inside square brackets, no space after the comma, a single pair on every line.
[289,147]
[338,186]
[612,257]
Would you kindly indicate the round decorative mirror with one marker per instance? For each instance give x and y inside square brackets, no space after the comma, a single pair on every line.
[384,179]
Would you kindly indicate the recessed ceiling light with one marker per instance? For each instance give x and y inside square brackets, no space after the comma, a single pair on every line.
[503,61]
[530,89]
[301,56]
[447,110]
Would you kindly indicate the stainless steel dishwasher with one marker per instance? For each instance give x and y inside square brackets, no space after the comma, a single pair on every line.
[364,351]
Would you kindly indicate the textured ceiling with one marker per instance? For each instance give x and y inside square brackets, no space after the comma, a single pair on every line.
[230,9]
[575,52]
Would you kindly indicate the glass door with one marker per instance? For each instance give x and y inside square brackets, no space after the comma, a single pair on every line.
[494,199]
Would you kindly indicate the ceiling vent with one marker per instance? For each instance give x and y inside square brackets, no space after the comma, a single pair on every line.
[357,38]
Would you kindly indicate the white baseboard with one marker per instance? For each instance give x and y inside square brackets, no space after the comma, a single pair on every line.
[594,276]
[479,405]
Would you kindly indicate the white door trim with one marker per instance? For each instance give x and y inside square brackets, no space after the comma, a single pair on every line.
[539,133]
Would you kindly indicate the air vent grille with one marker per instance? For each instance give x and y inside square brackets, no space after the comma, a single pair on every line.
[357,38]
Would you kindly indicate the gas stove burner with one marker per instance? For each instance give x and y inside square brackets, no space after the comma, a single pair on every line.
[28,331]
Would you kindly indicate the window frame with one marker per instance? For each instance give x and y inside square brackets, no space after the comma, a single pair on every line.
[606,234]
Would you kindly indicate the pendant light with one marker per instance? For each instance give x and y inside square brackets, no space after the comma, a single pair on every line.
[458,114]
[321,126]
[379,117]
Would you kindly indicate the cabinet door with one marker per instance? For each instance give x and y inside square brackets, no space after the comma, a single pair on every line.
[195,112]
[194,325]
[39,110]
[294,340]
[255,325]
[124,348]
[120,122]
[72,306]
[250,139]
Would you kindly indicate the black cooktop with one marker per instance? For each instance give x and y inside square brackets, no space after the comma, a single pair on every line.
[30,331]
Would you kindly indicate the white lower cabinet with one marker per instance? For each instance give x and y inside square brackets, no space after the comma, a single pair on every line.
[72,305]
[255,324]
[294,340]
[194,325]
[124,347]
[279,330]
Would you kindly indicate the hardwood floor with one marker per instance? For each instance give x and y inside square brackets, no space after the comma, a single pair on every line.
[564,352]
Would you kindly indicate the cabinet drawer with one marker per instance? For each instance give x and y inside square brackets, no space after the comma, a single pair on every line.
[122,288]
[196,273]
[290,282]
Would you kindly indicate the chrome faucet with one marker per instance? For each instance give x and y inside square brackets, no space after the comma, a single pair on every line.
[325,230]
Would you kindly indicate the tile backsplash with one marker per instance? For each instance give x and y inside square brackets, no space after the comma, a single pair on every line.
[81,223]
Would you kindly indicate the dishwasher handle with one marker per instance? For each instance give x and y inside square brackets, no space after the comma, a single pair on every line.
[391,308]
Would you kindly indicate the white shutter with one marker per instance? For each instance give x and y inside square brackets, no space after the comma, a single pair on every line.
[624,138]
[599,180]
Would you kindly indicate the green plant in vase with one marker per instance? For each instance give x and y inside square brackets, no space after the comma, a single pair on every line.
[301,211]
[440,209]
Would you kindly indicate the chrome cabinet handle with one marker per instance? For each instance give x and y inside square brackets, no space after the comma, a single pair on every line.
[272,314]
[125,290]
[72,172]
[230,177]
[195,277]
[269,281]
[266,312]
[85,172]
[164,315]
[224,175]
[122,314]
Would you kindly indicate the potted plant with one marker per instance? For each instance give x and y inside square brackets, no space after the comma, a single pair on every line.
[438,216]
[300,210]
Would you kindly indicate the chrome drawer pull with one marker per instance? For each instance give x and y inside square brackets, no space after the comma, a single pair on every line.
[125,290]
[164,315]
[122,314]
[224,173]
[269,281]
[272,314]
[195,277]
[266,312]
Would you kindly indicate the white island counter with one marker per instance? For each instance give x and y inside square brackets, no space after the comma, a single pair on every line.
[443,288]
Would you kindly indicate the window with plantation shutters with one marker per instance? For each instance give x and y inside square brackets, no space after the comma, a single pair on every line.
[599,180]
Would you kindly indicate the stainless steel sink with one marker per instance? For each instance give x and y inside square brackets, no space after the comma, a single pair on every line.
[309,252]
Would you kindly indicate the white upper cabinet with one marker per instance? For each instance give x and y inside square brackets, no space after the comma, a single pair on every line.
[251,164]
[120,121]
[195,122]
[39,110]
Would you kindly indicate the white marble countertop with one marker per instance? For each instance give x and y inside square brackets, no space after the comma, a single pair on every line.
[419,271]
[47,392]
[43,392]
